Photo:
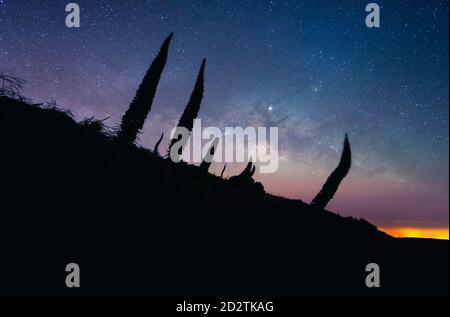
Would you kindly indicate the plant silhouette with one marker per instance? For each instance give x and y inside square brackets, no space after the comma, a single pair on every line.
[11,86]
[246,174]
[155,149]
[192,108]
[334,180]
[207,160]
[134,118]
[223,170]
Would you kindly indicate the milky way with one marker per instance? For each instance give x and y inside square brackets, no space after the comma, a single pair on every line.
[312,68]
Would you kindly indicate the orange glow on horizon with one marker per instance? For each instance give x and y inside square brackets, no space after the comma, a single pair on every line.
[435,233]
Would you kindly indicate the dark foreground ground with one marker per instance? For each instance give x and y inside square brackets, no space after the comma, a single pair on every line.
[138,224]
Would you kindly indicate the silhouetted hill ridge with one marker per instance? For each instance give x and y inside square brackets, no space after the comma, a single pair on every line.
[72,192]
[57,125]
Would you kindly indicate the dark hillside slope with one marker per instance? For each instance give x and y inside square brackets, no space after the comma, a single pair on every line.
[139,224]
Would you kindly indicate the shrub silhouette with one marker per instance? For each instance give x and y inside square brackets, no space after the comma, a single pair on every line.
[11,86]
[192,108]
[334,180]
[134,118]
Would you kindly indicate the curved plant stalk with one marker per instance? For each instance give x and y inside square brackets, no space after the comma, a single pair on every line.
[207,160]
[334,180]
[247,170]
[155,150]
[223,170]
[246,174]
[252,171]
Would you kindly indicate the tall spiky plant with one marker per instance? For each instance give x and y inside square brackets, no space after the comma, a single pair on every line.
[207,160]
[134,118]
[334,180]
[192,109]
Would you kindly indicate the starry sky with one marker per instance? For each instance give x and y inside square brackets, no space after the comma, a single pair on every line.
[311,68]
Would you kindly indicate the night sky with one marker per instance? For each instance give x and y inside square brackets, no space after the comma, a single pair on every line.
[312,68]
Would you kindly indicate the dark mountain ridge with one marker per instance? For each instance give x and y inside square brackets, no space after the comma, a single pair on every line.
[139,224]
